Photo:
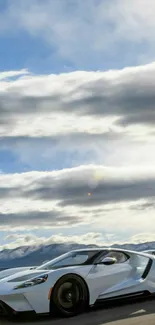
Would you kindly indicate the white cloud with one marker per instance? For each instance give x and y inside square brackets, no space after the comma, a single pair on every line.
[143,238]
[79,113]
[98,103]
[90,238]
[95,197]
[9,74]
[16,240]
[81,118]
[90,29]
[97,116]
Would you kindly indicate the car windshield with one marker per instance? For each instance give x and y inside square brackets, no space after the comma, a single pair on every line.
[68,259]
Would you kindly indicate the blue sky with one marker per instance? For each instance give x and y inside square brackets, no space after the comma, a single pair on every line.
[36,42]
[68,74]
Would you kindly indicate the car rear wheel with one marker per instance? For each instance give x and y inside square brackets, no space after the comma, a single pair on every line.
[70,296]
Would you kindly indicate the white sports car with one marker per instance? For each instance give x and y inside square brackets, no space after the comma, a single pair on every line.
[78,279]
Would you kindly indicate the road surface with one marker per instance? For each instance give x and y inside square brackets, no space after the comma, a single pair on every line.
[139,313]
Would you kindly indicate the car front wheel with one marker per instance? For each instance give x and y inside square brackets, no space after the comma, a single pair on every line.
[70,296]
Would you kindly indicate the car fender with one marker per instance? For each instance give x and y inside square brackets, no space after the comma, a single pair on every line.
[39,296]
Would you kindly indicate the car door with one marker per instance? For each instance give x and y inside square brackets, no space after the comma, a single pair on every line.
[103,278]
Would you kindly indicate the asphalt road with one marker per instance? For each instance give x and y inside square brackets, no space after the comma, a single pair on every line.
[139,313]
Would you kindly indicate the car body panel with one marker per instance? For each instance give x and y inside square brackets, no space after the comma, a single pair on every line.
[150,251]
[102,279]
[135,274]
[17,302]
[131,284]
[38,298]
[11,271]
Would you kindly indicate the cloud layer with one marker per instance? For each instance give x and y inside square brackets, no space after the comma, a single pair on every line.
[83,102]
[90,129]
[94,197]
[77,148]
[100,117]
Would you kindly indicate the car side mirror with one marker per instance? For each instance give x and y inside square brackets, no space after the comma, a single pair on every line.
[108,261]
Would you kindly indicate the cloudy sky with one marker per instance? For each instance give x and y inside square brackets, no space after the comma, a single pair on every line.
[77,121]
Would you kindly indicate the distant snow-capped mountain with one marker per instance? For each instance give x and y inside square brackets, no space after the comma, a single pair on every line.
[35,255]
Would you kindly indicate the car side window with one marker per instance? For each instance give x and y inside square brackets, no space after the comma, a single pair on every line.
[119,256]
[72,260]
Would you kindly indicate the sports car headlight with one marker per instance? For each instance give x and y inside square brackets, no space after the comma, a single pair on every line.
[32,282]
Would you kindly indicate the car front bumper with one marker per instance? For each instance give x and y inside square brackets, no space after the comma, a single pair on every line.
[14,304]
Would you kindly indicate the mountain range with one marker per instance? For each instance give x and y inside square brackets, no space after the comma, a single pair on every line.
[36,255]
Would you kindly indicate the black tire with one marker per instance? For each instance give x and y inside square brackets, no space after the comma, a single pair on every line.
[70,296]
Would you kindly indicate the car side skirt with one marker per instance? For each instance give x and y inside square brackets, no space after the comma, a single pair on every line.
[125,297]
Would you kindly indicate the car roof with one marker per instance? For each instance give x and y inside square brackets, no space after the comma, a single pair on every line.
[91,249]
[100,249]
[149,250]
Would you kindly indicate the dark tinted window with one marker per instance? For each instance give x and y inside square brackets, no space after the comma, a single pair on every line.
[69,259]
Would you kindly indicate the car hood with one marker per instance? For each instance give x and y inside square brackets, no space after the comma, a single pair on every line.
[8,283]
[28,274]
[8,272]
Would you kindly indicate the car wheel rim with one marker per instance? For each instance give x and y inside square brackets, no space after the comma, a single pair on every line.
[70,296]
